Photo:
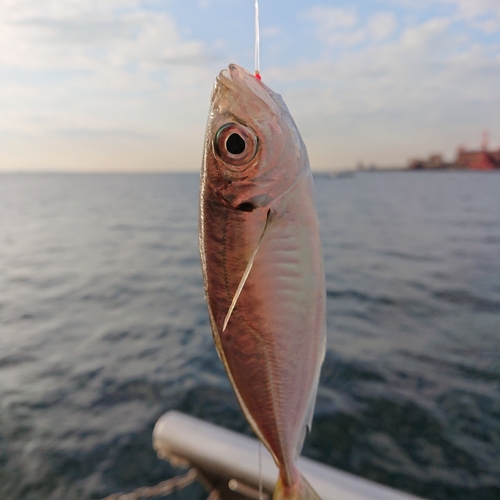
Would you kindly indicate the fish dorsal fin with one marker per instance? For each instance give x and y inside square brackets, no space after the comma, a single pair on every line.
[245,274]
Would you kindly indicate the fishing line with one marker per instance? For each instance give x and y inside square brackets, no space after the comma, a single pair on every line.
[260,471]
[257,41]
[257,75]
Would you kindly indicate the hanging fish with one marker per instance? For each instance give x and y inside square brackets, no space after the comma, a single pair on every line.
[263,266]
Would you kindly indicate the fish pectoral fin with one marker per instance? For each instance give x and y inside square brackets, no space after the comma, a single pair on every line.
[240,286]
[245,274]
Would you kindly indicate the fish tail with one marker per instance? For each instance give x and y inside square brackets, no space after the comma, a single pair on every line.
[300,490]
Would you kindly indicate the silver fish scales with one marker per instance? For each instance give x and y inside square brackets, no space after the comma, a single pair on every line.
[263,266]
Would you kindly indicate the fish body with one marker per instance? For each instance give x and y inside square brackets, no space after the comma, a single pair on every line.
[262,265]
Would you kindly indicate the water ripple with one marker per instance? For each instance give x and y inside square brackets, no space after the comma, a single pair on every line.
[103,327]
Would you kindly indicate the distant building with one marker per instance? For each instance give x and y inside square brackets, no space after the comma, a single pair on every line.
[478,160]
[433,162]
[467,160]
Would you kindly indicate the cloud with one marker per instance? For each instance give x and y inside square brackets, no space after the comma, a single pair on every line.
[474,8]
[121,80]
[329,20]
[488,26]
[105,134]
[83,47]
[431,32]
[342,26]
[421,64]
[89,78]
[427,88]
[382,25]
[460,9]
[91,36]
[190,54]
[271,31]
[483,15]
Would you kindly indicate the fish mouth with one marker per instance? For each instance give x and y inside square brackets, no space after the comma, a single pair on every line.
[237,79]
[231,76]
[224,78]
[225,84]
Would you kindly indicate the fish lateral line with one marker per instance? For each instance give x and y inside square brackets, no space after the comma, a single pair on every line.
[245,274]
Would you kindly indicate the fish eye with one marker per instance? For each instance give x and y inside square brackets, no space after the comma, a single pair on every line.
[235,144]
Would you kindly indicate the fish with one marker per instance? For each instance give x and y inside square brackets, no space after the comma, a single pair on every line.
[262,266]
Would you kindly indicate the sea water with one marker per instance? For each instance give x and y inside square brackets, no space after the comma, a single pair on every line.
[103,327]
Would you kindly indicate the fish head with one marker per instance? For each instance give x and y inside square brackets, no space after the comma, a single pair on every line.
[253,151]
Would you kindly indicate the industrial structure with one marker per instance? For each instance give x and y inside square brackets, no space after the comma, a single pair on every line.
[480,159]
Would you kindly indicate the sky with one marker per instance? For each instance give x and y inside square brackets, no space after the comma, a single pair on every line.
[124,85]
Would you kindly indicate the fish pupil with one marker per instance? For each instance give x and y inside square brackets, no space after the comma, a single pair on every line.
[235,144]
